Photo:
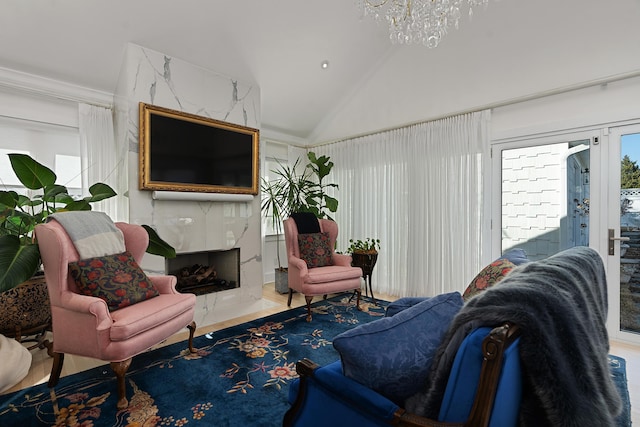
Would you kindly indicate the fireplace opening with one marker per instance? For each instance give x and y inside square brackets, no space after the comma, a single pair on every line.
[205,272]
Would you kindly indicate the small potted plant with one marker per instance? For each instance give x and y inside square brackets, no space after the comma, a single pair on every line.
[364,253]
[366,246]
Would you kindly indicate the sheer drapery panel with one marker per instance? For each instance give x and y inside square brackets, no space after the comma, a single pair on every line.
[102,159]
[419,190]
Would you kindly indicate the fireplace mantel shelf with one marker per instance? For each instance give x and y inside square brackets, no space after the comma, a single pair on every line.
[200,197]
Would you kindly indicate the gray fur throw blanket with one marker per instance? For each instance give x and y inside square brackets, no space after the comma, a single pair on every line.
[560,304]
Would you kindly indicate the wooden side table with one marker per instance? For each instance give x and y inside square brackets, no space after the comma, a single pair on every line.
[366,261]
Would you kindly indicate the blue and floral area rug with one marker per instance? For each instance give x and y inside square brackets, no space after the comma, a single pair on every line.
[239,377]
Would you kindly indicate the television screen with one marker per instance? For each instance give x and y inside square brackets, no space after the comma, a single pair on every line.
[184,152]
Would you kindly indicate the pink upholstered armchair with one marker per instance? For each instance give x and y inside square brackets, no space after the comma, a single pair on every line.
[83,325]
[338,277]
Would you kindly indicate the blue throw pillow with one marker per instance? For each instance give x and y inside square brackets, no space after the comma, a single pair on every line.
[393,355]
[402,304]
[517,256]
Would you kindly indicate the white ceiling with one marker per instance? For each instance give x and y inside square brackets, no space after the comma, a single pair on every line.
[513,49]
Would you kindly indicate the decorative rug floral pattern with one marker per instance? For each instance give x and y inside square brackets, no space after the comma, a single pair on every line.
[239,377]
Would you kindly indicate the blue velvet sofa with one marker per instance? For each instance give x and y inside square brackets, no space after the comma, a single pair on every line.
[532,351]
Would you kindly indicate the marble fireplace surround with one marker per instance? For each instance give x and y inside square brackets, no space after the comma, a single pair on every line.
[192,224]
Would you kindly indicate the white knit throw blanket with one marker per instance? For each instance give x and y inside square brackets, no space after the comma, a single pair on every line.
[93,233]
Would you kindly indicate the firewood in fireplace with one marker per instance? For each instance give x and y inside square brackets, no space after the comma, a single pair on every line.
[196,275]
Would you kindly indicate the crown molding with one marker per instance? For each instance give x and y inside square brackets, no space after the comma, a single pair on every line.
[45,86]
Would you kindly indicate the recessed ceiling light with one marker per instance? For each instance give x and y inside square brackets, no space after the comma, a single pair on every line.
[325,64]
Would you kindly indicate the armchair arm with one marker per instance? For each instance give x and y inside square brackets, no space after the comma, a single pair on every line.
[82,303]
[297,270]
[299,264]
[89,306]
[165,284]
[342,260]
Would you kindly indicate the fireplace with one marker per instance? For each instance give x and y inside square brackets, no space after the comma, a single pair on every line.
[206,272]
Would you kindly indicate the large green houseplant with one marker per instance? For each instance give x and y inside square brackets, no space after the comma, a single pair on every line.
[294,191]
[19,214]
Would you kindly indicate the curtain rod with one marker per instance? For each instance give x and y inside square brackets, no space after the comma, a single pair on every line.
[498,104]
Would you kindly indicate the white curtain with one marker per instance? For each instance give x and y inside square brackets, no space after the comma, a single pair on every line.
[102,159]
[419,189]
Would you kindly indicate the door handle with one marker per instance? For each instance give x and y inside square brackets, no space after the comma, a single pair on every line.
[612,241]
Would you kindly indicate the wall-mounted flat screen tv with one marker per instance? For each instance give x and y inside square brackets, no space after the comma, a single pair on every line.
[185,152]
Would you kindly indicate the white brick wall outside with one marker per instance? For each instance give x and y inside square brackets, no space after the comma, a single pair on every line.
[533,212]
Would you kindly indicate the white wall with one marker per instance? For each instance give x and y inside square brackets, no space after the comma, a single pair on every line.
[21,105]
[589,107]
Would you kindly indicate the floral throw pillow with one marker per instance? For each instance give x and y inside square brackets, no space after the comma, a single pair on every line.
[488,276]
[315,249]
[117,279]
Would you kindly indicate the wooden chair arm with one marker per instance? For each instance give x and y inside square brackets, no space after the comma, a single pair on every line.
[305,368]
[493,348]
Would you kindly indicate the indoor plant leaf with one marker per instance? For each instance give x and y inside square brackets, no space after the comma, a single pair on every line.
[16,261]
[51,192]
[31,174]
[100,191]
[157,246]
[8,198]
[330,203]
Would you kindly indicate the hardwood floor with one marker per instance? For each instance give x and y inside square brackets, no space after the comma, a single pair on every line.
[41,364]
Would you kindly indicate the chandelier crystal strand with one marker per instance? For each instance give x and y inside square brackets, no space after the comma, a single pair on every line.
[418,21]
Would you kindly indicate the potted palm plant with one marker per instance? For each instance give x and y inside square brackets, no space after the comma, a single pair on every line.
[24,302]
[293,191]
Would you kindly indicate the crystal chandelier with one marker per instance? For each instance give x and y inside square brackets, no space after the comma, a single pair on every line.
[418,21]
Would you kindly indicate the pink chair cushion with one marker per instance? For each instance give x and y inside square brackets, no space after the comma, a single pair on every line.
[331,273]
[133,320]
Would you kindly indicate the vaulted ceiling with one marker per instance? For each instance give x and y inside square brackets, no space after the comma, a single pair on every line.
[508,52]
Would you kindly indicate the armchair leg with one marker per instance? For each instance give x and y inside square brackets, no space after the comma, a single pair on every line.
[56,369]
[192,330]
[290,296]
[120,368]
[308,299]
[358,293]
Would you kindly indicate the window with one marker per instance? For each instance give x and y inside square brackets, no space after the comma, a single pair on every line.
[276,154]
[57,147]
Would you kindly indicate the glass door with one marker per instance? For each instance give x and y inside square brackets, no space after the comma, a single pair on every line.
[545,195]
[623,232]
